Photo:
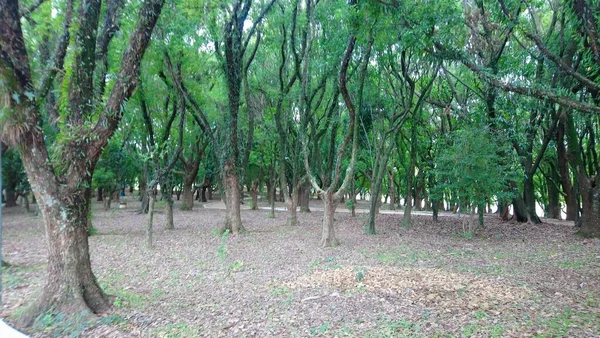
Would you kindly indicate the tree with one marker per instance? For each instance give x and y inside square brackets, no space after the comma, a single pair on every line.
[62,179]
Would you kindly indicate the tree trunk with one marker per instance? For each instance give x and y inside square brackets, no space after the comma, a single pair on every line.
[11,198]
[188,196]
[100,197]
[25,198]
[406,220]
[590,218]
[565,176]
[553,199]
[292,206]
[529,197]
[328,236]
[107,201]
[151,201]
[305,194]
[70,284]
[170,225]
[391,190]
[233,218]
[254,193]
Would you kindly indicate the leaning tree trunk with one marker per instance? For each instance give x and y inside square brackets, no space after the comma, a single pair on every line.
[328,236]
[70,284]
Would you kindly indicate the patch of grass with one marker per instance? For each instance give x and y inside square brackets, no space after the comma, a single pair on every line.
[570,264]
[129,299]
[176,331]
[469,330]
[400,255]
[58,324]
[319,330]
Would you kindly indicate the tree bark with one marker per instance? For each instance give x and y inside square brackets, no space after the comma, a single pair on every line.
[305,197]
[553,196]
[565,176]
[188,196]
[406,220]
[70,285]
[233,219]
[151,200]
[11,198]
[328,235]
[100,197]
[169,214]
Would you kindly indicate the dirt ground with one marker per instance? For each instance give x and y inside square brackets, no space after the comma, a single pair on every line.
[431,279]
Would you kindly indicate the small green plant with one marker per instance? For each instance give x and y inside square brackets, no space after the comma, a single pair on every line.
[237,266]
[467,235]
[222,249]
[319,330]
[350,204]
[360,273]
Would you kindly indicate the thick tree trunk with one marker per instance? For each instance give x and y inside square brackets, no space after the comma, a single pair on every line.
[520,210]
[529,197]
[328,236]
[11,198]
[188,196]
[292,206]
[590,218]
[70,284]
[305,197]
[233,218]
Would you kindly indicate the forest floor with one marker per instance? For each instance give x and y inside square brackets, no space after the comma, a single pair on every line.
[427,280]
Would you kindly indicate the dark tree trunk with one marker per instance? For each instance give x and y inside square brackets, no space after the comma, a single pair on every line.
[391,190]
[590,217]
[305,194]
[553,197]
[188,197]
[11,197]
[529,199]
[565,176]
[100,195]
[178,194]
